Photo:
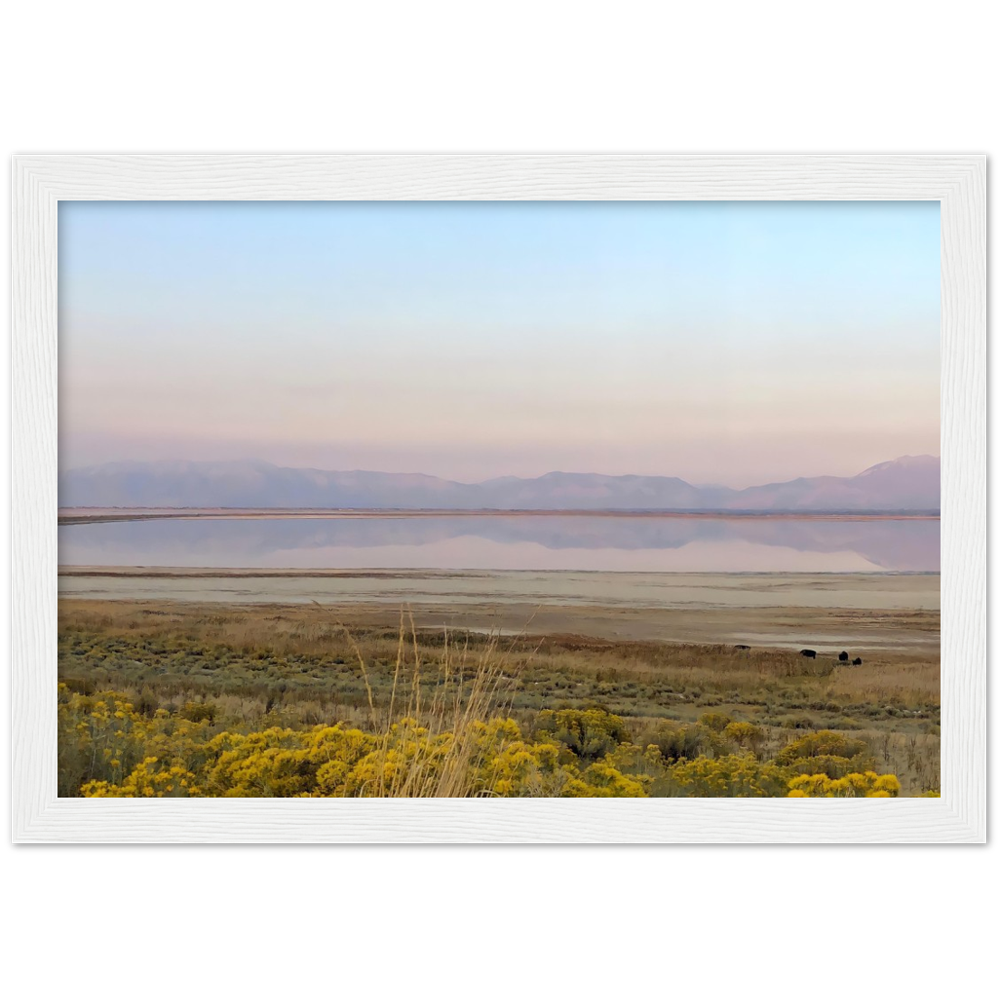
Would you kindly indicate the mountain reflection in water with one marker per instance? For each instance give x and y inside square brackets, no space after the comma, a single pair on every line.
[514,542]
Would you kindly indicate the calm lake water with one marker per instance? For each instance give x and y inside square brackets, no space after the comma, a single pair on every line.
[521,542]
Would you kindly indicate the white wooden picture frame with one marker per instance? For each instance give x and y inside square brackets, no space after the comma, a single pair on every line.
[957,181]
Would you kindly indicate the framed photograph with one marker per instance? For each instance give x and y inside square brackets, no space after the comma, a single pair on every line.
[499,498]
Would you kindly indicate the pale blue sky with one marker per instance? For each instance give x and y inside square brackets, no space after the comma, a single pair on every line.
[722,342]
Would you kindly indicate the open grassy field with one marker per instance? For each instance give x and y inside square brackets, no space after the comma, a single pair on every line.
[231,668]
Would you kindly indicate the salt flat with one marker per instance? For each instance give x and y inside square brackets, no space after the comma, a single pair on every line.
[864,611]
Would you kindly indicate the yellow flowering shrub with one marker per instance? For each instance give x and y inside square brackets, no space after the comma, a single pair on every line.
[745,734]
[740,775]
[109,750]
[148,779]
[521,769]
[284,762]
[716,721]
[407,760]
[643,764]
[100,738]
[863,785]
[601,780]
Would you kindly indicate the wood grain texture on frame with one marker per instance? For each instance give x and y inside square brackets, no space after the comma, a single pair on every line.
[957,181]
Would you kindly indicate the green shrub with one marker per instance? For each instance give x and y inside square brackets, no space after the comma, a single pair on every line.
[676,741]
[822,744]
[199,711]
[829,765]
[588,733]
[716,721]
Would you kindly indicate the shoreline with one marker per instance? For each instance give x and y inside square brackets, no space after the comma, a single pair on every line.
[866,610]
[417,572]
[104,515]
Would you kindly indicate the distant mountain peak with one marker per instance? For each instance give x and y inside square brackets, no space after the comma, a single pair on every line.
[916,462]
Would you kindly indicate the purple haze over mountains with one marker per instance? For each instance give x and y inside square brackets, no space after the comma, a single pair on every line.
[910,483]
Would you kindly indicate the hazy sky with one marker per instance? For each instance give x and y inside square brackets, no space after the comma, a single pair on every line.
[733,343]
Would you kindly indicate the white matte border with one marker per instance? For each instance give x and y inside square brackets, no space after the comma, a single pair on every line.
[957,181]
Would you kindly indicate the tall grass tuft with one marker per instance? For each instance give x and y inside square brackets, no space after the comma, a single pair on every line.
[436,743]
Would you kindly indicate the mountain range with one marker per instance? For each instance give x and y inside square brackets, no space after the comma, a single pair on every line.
[910,483]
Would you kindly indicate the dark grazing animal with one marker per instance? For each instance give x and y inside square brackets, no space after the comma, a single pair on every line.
[808,652]
[843,657]
[741,647]
[856,662]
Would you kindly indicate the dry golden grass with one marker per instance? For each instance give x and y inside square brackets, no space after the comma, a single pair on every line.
[904,677]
